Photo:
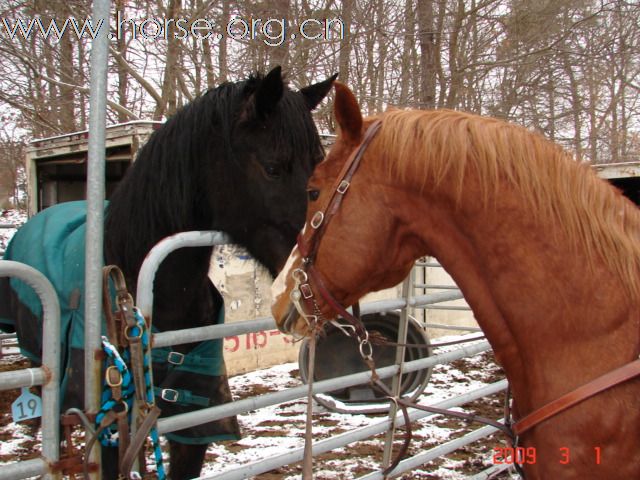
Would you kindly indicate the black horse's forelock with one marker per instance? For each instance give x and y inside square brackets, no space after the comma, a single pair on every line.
[306,135]
[292,109]
[163,192]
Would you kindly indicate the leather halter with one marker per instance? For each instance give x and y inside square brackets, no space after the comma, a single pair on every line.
[309,247]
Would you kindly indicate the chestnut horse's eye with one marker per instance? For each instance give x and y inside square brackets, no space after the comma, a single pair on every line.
[313,195]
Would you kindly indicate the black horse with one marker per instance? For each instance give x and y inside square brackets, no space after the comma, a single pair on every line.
[237,160]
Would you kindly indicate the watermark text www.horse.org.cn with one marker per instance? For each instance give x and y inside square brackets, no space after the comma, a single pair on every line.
[271,31]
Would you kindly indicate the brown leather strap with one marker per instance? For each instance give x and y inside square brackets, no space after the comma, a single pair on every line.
[309,248]
[109,417]
[137,442]
[336,306]
[469,417]
[405,404]
[378,339]
[121,322]
[604,382]
[122,316]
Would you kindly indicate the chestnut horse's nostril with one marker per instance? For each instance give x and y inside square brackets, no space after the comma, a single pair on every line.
[290,320]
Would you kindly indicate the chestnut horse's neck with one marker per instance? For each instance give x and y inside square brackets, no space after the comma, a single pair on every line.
[556,312]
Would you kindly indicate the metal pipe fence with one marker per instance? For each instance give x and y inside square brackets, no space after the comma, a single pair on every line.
[185,420]
[361,433]
[47,375]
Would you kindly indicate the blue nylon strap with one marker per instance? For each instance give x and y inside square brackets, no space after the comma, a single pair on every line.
[108,437]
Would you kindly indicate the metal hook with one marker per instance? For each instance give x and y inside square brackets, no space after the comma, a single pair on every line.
[299,276]
[343,328]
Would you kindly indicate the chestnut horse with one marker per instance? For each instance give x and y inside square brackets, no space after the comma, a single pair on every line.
[546,254]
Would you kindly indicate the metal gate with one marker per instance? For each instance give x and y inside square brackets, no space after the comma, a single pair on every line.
[178,422]
[47,375]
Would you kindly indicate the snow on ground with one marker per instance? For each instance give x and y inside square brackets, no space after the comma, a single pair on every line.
[10,217]
[273,430]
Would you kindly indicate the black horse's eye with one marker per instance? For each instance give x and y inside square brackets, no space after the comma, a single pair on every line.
[273,170]
[313,195]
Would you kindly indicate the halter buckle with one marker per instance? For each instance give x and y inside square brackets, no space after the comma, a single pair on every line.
[175,358]
[317,220]
[113,377]
[343,187]
[306,291]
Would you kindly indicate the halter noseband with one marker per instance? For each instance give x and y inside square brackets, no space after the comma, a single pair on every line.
[307,274]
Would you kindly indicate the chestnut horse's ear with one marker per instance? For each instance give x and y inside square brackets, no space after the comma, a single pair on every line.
[347,112]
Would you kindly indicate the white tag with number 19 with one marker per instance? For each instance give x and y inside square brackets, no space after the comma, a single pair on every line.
[26,406]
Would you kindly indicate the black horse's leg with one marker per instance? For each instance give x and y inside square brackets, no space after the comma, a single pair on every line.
[109,462]
[185,460]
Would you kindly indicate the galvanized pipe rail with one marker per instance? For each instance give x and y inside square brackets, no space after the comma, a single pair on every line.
[176,337]
[94,254]
[47,375]
[185,420]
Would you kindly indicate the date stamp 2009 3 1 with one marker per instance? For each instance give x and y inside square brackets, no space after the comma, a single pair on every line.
[528,455]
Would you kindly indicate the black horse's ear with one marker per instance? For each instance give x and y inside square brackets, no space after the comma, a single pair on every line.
[313,94]
[269,93]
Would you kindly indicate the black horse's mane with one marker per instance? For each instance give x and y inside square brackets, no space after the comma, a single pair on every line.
[165,190]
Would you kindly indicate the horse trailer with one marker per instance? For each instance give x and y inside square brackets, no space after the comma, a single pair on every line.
[57,166]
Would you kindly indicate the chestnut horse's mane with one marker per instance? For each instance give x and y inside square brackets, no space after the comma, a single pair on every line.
[429,146]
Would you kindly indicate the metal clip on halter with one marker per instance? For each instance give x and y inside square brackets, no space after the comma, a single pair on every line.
[344,328]
[364,345]
[302,290]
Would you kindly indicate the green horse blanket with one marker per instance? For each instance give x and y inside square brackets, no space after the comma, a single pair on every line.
[53,242]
